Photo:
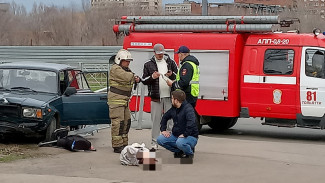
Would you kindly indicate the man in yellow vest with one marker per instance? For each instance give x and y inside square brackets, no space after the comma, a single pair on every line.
[121,80]
[187,78]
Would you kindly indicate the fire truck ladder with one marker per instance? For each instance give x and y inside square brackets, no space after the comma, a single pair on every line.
[234,24]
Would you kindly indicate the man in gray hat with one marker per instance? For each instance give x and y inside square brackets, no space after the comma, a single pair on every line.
[155,73]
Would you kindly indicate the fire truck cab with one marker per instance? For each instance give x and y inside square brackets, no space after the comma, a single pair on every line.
[282,79]
[279,77]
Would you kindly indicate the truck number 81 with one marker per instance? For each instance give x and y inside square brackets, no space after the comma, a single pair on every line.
[311,95]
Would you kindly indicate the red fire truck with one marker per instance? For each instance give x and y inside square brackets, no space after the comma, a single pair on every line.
[244,71]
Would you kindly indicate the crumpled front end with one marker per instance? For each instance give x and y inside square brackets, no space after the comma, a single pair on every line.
[12,121]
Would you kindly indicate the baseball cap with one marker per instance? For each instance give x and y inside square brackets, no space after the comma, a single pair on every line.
[183,49]
[159,49]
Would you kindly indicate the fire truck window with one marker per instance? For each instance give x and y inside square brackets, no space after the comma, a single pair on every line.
[314,65]
[278,61]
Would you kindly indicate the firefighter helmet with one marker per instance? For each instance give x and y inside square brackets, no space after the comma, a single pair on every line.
[123,54]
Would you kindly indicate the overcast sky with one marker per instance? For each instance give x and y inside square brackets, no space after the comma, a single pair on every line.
[77,3]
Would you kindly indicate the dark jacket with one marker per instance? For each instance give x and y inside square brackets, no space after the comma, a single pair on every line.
[186,73]
[153,84]
[184,120]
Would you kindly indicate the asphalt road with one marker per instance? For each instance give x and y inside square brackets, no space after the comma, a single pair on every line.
[252,129]
[249,152]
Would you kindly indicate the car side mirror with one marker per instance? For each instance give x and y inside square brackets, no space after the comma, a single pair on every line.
[70,91]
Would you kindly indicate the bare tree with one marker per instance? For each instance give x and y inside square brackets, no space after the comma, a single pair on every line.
[50,25]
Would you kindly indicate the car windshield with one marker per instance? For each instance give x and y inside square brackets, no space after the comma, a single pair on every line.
[31,80]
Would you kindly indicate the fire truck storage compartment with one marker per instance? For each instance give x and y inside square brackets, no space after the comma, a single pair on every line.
[214,67]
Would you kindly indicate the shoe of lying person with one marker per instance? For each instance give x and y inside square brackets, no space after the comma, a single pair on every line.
[118,149]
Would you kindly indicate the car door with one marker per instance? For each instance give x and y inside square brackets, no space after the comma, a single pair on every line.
[279,82]
[312,82]
[84,107]
[269,87]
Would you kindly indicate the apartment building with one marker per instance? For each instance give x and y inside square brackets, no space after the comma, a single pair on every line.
[315,7]
[184,8]
[154,7]
[4,7]
[314,4]
[267,2]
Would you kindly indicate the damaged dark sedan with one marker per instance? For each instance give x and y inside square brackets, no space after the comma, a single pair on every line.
[37,98]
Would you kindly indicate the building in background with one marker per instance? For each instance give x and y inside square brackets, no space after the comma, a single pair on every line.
[239,7]
[4,7]
[311,7]
[316,7]
[184,8]
[254,7]
[153,7]
[267,2]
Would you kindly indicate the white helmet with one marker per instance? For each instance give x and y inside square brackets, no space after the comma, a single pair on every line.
[123,54]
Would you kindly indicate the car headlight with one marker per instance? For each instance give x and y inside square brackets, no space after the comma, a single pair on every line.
[32,113]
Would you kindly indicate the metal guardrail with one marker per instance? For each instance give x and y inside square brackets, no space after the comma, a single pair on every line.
[85,58]
[89,58]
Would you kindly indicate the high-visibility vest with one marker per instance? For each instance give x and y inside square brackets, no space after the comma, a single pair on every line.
[194,83]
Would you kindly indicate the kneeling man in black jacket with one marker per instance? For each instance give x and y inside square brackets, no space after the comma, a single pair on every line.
[185,133]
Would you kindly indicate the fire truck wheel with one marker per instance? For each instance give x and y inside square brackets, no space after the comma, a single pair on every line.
[50,129]
[222,123]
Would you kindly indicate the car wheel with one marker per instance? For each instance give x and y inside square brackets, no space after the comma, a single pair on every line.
[50,129]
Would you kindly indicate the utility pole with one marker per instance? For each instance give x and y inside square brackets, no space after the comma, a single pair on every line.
[204,7]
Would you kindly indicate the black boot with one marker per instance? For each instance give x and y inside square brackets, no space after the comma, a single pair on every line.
[178,154]
[187,156]
[187,159]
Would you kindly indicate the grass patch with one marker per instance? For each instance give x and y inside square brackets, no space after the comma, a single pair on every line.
[11,157]
[13,152]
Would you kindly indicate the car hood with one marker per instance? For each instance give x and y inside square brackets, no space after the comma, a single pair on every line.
[32,99]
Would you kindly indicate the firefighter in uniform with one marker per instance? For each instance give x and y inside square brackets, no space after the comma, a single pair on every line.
[121,80]
[187,78]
